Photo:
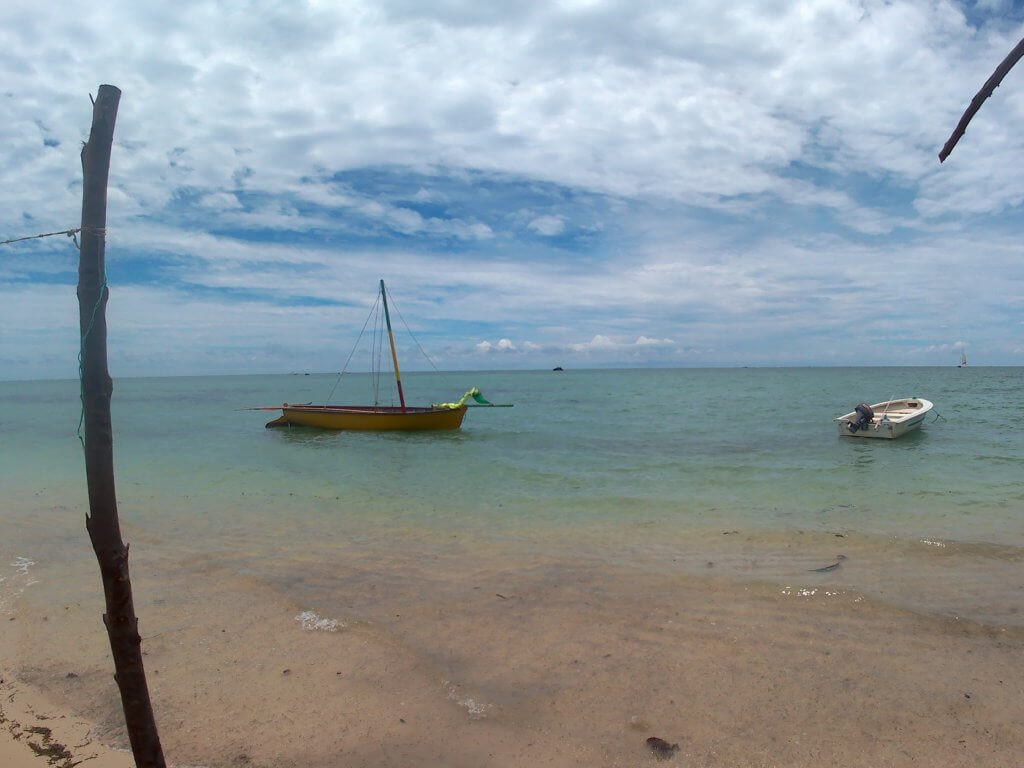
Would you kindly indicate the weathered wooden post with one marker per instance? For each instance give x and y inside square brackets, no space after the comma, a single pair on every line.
[101,522]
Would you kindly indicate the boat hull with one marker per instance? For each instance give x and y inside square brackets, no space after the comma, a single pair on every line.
[369,418]
[893,418]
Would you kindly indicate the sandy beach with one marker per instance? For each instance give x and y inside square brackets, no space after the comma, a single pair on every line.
[35,731]
[465,662]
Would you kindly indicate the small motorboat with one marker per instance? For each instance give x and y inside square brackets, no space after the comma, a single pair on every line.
[889,419]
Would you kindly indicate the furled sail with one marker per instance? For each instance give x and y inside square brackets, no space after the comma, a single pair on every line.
[473,393]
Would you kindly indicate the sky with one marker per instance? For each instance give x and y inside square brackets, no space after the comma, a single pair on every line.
[545,182]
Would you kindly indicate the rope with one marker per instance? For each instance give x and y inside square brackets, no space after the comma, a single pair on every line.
[345,367]
[409,331]
[69,232]
[377,349]
[445,379]
[377,355]
[888,403]
[104,291]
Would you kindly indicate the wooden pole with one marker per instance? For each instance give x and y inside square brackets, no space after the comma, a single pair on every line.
[391,340]
[101,522]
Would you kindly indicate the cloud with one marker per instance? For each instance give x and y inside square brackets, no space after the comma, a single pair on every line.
[644,341]
[502,345]
[714,184]
[548,225]
[599,341]
[223,201]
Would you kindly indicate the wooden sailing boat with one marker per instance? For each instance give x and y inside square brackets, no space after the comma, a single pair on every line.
[963,360]
[379,417]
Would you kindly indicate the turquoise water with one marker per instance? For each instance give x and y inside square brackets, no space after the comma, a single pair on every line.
[733,473]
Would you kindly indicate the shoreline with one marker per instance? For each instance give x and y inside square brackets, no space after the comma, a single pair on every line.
[34,732]
[545,662]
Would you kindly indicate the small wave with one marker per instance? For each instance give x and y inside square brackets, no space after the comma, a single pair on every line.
[477,710]
[312,622]
[17,584]
[810,592]
[982,550]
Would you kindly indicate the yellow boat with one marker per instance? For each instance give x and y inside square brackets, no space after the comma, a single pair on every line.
[369,417]
[378,417]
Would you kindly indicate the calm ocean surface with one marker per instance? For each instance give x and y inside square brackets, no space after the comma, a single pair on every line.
[733,474]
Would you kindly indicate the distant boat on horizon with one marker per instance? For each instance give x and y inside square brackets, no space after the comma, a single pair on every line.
[963,360]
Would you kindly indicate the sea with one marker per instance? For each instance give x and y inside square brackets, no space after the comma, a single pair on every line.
[734,475]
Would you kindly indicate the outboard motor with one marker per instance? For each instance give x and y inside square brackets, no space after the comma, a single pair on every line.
[864,416]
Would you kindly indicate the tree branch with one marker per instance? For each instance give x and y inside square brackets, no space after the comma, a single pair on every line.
[986,90]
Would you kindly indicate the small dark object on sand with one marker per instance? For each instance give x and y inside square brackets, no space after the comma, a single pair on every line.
[661,748]
[836,564]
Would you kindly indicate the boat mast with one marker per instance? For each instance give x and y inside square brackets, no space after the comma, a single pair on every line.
[391,340]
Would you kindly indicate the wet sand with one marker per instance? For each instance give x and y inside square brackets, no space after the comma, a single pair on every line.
[397,659]
[36,731]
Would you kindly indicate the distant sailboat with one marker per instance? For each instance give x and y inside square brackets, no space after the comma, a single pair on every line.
[963,360]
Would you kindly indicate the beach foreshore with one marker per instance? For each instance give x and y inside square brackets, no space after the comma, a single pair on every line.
[540,662]
[35,731]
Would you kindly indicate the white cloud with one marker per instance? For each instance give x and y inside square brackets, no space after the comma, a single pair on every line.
[741,177]
[644,341]
[224,201]
[635,101]
[502,345]
[548,225]
[599,341]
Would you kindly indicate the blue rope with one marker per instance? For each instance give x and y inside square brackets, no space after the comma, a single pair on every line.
[345,367]
[81,355]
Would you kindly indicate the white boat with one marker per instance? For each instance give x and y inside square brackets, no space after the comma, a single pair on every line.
[889,419]
[963,360]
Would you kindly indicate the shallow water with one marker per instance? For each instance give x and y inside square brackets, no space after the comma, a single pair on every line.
[731,474]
